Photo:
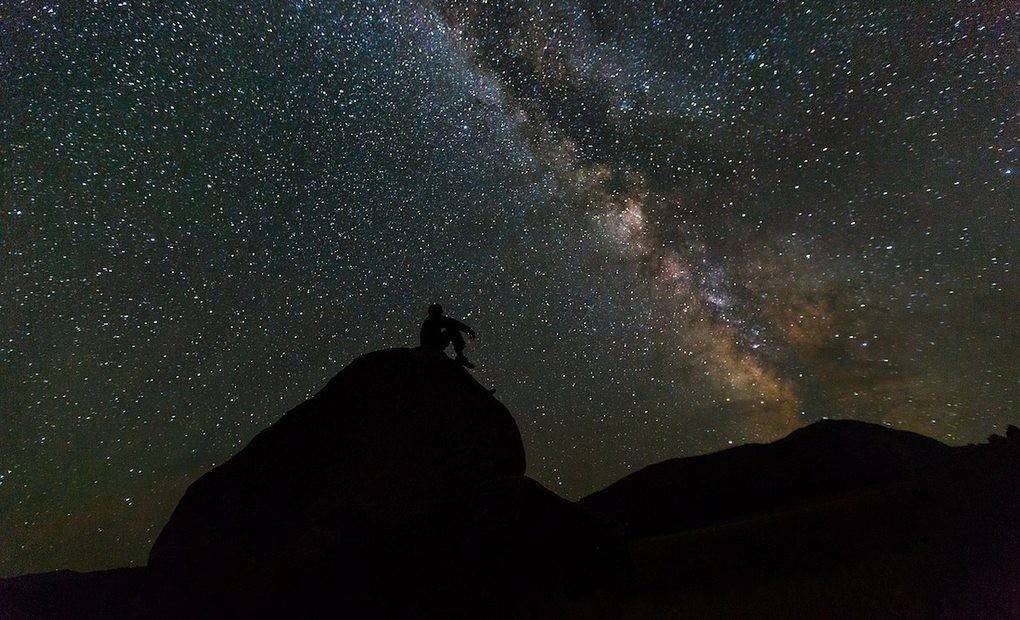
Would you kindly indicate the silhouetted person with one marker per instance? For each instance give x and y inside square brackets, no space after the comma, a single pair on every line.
[438,331]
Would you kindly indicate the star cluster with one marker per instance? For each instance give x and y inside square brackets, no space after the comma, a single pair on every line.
[676,226]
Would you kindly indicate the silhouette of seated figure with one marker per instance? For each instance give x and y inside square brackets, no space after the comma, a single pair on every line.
[439,331]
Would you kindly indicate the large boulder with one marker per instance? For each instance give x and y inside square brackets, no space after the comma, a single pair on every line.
[401,480]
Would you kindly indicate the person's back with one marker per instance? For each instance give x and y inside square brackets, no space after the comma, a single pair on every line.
[439,331]
[432,333]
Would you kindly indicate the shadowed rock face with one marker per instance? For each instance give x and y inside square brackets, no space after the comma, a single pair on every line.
[396,434]
[402,481]
[825,458]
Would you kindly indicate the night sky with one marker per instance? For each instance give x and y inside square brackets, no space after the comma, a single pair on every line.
[676,226]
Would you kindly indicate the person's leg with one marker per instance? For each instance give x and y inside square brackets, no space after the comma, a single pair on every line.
[457,340]
[458,346]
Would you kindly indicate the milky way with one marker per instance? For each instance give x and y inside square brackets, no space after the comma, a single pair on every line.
[676,226]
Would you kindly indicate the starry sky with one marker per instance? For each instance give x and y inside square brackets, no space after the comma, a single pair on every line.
[675,225]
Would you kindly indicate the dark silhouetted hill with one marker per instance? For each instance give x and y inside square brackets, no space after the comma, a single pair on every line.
[942,541]
[827,457]
[399,490]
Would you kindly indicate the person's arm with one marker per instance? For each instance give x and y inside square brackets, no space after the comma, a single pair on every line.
[461,327]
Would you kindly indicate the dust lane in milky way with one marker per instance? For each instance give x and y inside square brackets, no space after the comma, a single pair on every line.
[676,226]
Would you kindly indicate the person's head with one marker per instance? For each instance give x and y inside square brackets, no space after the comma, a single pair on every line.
[435,310]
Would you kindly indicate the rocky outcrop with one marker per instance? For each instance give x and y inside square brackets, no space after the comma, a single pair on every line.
[403,478]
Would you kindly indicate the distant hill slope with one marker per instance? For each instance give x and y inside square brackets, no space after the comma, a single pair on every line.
[827,457]
[940,542]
